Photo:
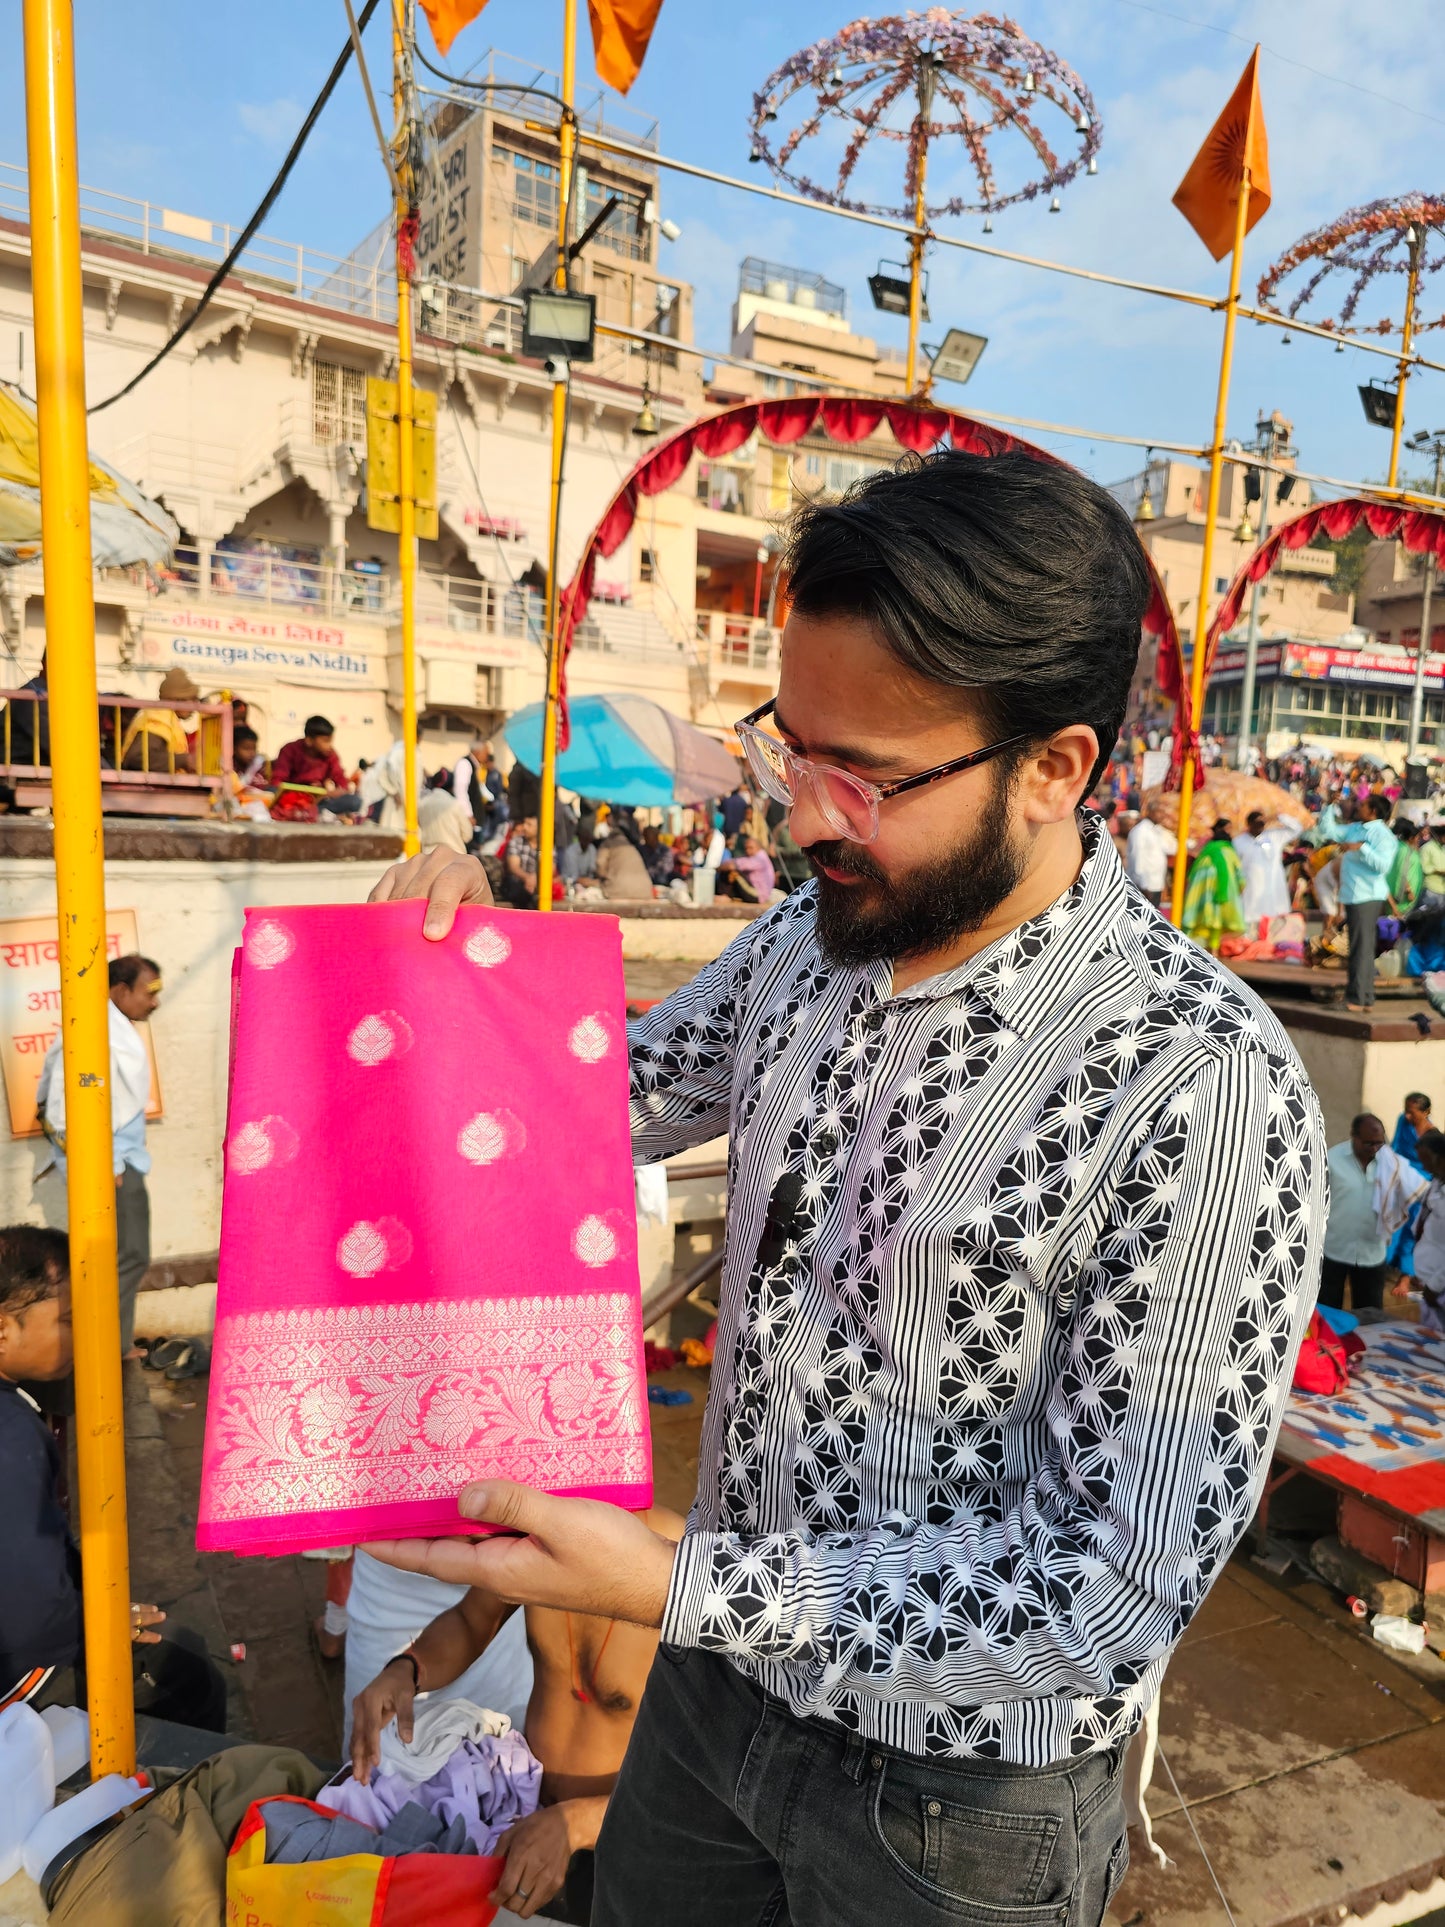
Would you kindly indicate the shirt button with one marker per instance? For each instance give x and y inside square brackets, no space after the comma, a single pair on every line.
[934,1809]
[827,1145]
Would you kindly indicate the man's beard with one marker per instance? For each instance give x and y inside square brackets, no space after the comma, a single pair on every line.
[925,909]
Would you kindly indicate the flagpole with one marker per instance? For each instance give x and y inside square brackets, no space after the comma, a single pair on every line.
[1417,248]
[99,1424]
[927,80]
[406,464]
[1206,565]
[547,806]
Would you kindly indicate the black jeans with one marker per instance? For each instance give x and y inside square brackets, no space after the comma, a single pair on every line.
[1367,1285]
[1360,921]
[133,1246]
[732,1812]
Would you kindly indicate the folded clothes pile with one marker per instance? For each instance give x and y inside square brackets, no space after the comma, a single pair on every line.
[488,1784]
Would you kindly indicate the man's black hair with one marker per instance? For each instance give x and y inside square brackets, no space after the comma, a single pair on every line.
[318,726]
[1432,1141]
[34,1264]
[1017,579]
[125,970]
[243,733]
[1363,1117]
[1380,806]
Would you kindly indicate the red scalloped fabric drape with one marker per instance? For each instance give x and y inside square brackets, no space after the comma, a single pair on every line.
[846,418]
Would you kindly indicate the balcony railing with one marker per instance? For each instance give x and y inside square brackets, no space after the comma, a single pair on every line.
[143,770]
[739,645]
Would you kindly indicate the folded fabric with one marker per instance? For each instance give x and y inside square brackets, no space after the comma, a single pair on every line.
[451,1302]
[488,1784]
[439,1727]
[297,1831]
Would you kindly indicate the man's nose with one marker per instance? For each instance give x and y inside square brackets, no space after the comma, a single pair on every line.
[806,821]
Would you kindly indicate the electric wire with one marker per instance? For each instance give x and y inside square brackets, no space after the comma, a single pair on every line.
[243,240]
[1209,1864]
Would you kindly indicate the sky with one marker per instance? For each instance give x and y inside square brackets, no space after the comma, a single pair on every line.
[192,107]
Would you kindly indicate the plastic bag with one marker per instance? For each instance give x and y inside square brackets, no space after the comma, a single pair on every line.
[1401,1634]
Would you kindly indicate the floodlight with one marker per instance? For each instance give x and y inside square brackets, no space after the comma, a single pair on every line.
[1378,401]
[558,324]
[958,357]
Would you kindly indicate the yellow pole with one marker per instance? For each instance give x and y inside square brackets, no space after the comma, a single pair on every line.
[916,244]
[406,482]
[1417,247]
[79,874]
[547,808]
[1206,564]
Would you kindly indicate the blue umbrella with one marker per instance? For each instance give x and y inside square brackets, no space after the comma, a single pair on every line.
[625,749]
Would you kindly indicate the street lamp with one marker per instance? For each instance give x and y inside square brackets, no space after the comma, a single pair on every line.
[1436,444]
[892,293]
[1271,440]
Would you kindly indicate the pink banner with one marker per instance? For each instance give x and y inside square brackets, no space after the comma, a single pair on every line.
[428,1266]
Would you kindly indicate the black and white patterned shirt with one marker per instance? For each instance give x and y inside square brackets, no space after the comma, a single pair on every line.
[1018,1261]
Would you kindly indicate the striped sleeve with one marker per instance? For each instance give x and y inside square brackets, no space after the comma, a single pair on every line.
[1183,1321]
[681,1058]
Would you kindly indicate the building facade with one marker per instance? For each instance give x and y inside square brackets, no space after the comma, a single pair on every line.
[252,433]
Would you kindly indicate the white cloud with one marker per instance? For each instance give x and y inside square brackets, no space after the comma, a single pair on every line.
[272,122]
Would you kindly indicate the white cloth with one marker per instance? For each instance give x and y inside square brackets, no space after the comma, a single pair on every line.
[462,784]
[1397,1185]
[1138,1772]
[439,1727]
[651,1183]
[1147,851]
[388,1608]
[1430,1240]
[1326,885]
[442,822]
[716,850]
[1266,887]
[130,1076]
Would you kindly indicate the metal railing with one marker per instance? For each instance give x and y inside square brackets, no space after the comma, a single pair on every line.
[138,744]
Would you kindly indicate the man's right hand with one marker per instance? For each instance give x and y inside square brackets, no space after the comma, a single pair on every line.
[389,1697]
[443,879]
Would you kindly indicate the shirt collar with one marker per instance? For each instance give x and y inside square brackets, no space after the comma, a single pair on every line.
[1028,972]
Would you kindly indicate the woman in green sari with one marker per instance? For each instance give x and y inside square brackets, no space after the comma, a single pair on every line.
[1213,897]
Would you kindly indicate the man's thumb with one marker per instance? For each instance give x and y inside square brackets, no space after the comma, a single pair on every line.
[504,1503]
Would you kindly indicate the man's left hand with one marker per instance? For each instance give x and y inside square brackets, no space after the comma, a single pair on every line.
[538,1850]
[577,1554]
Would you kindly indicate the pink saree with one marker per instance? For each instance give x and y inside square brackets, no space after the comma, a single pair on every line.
[428,1268]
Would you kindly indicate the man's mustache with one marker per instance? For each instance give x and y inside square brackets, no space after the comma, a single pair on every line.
[851,858]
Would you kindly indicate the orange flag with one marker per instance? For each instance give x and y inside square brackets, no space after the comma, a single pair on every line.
[621,30]
[1208,196]
[446,18]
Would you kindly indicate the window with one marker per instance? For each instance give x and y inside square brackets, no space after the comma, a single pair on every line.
[721,488]
[489,686]
[534,186]
[338,405]
[1221,583]
[646,566]
[623,231]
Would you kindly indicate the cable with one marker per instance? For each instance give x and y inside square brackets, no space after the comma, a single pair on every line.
[482,86]
[387,162]
[1184,1808]
[243,240]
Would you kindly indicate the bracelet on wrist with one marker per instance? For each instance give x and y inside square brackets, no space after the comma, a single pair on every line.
[409,1658]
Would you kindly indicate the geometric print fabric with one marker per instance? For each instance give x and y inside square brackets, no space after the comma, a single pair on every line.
[1018,1263]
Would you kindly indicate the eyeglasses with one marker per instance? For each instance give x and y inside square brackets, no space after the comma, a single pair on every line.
[847,803]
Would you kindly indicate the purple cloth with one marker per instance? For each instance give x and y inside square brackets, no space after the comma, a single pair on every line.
[759,871]
[489,1785]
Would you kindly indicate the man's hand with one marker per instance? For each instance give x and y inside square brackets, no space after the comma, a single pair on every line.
[443,879]
[389,1697]
[578,1554]
[538,1850]
[142,1618]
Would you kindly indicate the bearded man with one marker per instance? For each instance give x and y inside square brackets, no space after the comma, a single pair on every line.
[1024,1222]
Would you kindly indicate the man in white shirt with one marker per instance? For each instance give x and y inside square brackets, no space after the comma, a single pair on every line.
[1147,852]
[135,991]
[1260,852]
[1355,1239]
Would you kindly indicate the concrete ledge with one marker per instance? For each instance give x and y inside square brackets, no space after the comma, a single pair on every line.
[664,910]
[175,839]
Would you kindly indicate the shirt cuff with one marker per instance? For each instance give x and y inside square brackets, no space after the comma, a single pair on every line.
[744,1596]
